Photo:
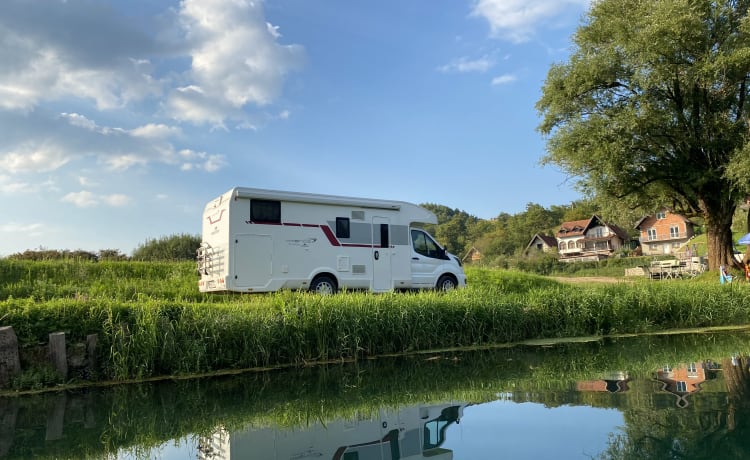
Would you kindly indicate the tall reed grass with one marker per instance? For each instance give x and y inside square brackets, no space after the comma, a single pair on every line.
[152,320]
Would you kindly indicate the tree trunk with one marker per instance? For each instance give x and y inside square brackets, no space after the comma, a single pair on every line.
[718,215]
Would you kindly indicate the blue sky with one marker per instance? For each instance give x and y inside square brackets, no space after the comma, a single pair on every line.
[120,120]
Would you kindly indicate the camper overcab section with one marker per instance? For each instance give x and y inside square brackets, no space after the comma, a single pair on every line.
[258,240]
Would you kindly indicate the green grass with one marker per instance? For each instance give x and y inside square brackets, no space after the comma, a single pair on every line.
[152,321]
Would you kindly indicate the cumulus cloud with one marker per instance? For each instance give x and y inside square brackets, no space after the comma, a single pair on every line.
[503,79]
[10,186]
[53,143]
[236,60]
[48,53]
[33,156]
[464,64]
[517,20]
[116,200]
[191,160]
[86,199]
[33,229]
[209,62]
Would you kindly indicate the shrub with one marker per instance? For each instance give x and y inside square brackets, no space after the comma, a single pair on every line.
[174,247]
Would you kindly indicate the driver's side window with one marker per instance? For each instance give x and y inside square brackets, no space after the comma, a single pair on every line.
[423,245]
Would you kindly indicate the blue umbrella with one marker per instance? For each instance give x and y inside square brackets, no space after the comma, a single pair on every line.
[744,240]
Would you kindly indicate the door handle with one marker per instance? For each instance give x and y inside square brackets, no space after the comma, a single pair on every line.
[415,258]
[377,255]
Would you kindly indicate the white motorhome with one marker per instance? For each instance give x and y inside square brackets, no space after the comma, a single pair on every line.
[258,240]
[409,433]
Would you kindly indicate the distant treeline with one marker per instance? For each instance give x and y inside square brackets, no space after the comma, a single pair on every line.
[167,248]
[501,240]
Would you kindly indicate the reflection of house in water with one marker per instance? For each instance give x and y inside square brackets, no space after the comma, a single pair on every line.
[682,381]
[616,382]
[408,433]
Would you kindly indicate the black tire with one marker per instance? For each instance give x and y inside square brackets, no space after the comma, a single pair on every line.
[323,285]
[446,283]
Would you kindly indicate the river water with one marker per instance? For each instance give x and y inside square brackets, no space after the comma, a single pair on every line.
[683,396]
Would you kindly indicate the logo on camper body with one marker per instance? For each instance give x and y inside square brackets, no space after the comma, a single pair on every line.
[302,243]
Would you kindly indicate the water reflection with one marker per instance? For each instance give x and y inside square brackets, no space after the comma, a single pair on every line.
[408,433]
[678,396]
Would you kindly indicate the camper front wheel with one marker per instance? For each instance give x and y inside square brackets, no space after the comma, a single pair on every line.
[323,285]
[446,283]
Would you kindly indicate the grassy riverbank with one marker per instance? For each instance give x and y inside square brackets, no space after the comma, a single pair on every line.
[152,321]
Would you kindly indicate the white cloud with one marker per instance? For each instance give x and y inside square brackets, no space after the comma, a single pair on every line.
[504,79]
[34,229]
[86,50]
[82,199]
[464,64]
[116,200]
[156,131]
[123,162]
[226,73]
[191,160]
[33,156]
[10,186]
[517,20]
[86,199]
[49,53]
[57,142]
[86,182]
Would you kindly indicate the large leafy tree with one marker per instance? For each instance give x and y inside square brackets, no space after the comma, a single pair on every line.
[652,108]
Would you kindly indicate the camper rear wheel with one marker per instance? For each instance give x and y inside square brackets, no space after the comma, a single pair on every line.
[323,285]
[446,283]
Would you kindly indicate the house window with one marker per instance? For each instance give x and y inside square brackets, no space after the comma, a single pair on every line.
[598,232]
[692,370]
[651,234]
[661,215]
[265,211]
[674,231]
[681,386]
[562,246]
[539,246]
[571,245]
[342,227]
[666,369]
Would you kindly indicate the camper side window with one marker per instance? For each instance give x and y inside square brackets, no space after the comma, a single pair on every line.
[265,211]
[342,227]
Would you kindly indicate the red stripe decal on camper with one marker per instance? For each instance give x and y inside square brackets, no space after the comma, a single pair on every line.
[329,234]
[212,221]
[326,230]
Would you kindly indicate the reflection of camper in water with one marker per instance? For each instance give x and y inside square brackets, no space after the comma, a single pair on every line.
[405,434]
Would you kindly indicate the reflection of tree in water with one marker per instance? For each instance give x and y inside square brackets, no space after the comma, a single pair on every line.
[737,376]
[714,425]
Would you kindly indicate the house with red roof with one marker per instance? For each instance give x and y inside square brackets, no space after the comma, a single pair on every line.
[589,240]
[664,232]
